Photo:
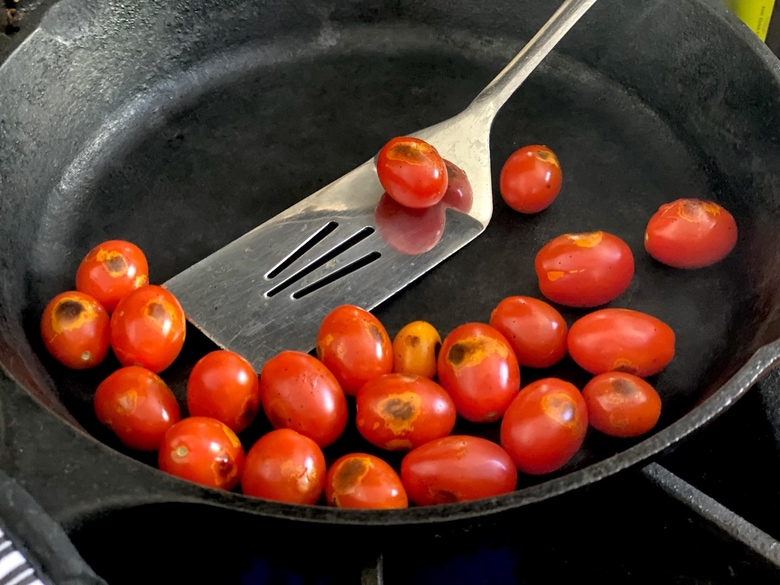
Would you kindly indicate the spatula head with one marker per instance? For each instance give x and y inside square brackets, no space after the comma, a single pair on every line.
[269,290]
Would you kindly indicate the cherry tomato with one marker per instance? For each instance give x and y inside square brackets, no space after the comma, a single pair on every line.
[584,270]
[355,346]
[412,172]
[360,480]
[75,329]
[415,349]
[459,194]
[408,230]
[621,340]
[399,412]
[534,329]
[530,179]
[203,450]
[224,386]
[298,392]
[111,271]
[544,426]
[690,233]
[148,328]
[138,406]
[284,466]
[478,368]
[621,405]
[456,469]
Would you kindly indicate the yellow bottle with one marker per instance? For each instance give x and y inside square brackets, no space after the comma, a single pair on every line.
[754,13]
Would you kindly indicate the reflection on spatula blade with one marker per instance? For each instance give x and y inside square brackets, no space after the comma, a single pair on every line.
[269,290]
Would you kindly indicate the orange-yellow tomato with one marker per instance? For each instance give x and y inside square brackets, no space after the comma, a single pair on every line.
[415,349]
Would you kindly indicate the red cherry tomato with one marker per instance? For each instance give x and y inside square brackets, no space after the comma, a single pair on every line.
[544,426]
[456,469]
[298,392]
[621,340]
[399,412]
[621,405]
[534,329]
[224,386]
[407,230]
[75,330]
[584,270]
[360,480]
[284,466]
[459,194]
[530,179]
[111,271]
[148,328]
[355,346]
[412,172]
[203,450]
[690,233]
[138,406]
[415,349]
[478,368]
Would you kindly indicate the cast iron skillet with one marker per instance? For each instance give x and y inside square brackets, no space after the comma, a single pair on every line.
[182,125]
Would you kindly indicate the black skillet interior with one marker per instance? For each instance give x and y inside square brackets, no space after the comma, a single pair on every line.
[181,127]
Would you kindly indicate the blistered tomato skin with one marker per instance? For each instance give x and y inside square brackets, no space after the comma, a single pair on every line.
[531,179]
[621,404]
[535,330]
[544,426]
[416,349]
[112,270]
[584,269]
[478,368]
[224,386]
[354,346]
[399,412]
[690,233]
[202,450]
[298,392]
[76,330]
[621,340]
[148,328]
[361,480]
[412,172]
[284,466]
[138,406]
[457,468]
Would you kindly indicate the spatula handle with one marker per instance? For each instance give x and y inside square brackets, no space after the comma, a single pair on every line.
[518,69]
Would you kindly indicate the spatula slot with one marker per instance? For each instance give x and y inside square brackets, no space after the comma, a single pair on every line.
[336,275]
[305,246]
[320,261]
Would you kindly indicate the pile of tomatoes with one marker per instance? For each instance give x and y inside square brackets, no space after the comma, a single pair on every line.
[408,391]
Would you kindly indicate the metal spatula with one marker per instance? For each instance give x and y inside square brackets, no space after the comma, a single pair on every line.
[269,290]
